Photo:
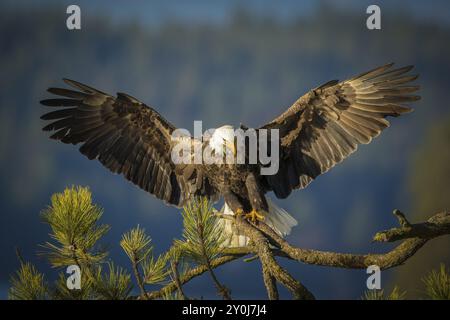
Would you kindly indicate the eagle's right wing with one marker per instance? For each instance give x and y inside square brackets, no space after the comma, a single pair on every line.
[327,124]
[127,137]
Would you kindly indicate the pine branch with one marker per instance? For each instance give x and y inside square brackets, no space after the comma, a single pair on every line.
[113,285]
[390,259]
[262,248]
[28,284]
[436,226]
[437,284]
[203,238]
[176,279]
[270,283]
[60,291]
[138,277]
[75,229]
[155,270]
[191,274]
[73,219]
[375,294]
[136,245]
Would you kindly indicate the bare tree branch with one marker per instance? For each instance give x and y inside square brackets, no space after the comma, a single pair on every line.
[436,226]
[138,277]
[262,248]
[270,283]
[393,258]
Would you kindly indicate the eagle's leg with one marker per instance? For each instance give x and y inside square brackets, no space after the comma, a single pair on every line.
[257,199]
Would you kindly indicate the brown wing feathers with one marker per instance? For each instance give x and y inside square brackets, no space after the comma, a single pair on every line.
[327,124]
[122,133]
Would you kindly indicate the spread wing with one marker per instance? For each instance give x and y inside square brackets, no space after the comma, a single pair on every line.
[127,137]
[326,125]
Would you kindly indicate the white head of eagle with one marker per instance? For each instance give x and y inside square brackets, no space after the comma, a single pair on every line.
[223,140]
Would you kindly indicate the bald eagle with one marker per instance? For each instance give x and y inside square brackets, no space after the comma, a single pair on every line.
[321,128]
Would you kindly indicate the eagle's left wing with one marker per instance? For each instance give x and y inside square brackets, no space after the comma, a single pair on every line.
[127,137]
[325,126]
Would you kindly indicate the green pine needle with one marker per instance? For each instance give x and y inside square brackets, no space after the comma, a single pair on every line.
[176,295]
[202,234]
[73,219]
[396,294]
[28,284]
[112,285]
[437,284]
[62,292]
[136,244]
[155,270]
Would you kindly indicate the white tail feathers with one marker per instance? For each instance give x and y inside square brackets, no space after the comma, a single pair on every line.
[277,218]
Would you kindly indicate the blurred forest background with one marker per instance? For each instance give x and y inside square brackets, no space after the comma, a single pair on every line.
[226,62]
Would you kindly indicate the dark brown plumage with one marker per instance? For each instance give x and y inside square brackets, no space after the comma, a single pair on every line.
[126,136]
[325,126]
[319,130]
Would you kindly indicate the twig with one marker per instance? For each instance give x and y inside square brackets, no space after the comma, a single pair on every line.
[436,226]
[401,218]
[222,290]
[176,279]
[19,256]
[138,277]
[193,273]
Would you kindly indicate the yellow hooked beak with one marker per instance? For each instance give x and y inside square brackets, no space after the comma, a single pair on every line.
[231,146]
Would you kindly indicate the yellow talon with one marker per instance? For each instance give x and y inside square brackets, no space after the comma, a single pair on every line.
[254,216]
[239,212]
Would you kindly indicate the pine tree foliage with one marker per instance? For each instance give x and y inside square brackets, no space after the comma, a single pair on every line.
[73,219]
[115,284]
[75,230]
[28,284]
[176,295]
[138,247]
[60,290]
[396,294]
[176,254]
[203,237]
[155,270]
[437,284]
[202,234]
[136,244]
